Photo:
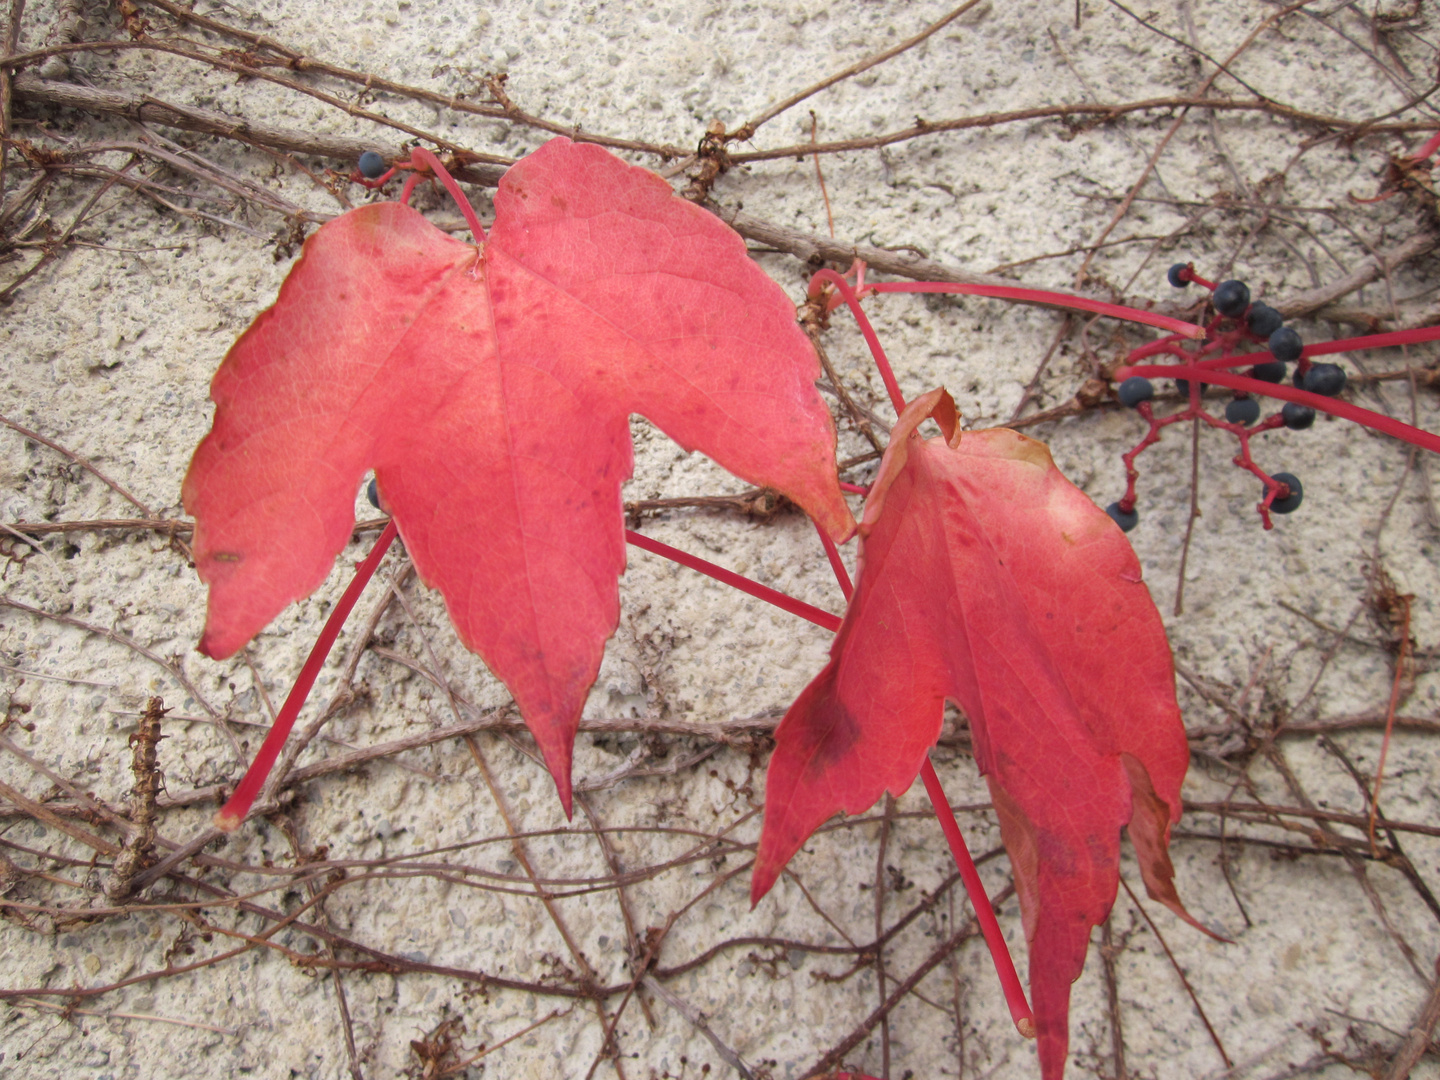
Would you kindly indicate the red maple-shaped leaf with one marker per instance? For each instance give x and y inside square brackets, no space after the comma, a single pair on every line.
[490,391]
[988,578]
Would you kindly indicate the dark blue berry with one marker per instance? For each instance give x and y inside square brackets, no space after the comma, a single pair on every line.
[1327,379]
[372,492]
[372,165]
[1243,410]
[1134,390]
[1263,320]
[1285,344]
[1271,372]
[1297,417]
[1179,275]
[1232,298]
[1291,502]
[1126,519]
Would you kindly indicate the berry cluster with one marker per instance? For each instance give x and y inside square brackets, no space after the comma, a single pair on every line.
[1230,336]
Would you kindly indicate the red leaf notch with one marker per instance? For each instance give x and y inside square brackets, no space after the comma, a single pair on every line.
[490,393]
[988,578]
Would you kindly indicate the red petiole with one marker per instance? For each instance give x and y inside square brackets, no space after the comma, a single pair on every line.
[1335,407]
[237,807]
[1428,150]
[1048,299]
[728,577]
[1375,341]
[984,914]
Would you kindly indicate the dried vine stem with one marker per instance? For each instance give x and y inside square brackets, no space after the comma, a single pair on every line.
[1098,113]
[146,108]
[746,131]
[139,849]
[46,883]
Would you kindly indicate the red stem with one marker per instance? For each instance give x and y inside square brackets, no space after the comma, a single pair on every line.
[420,156]
[984,913]
[378,182]
[1374,341]
[1165,346]
[833,554]
[235,810]
[1233,361]
[892,387]
[1428,150]
[1325,348]
[1343,409]
[729,577]
[1050,299]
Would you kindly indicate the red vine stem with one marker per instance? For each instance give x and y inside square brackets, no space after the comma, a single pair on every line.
[1374,341]
[984,913]
[1343,409]
[420,156]
[1049,299]
[233,813]
[1428,150]
[238,805]
[830,277]
[833,554]
[729,577]
[1324,348]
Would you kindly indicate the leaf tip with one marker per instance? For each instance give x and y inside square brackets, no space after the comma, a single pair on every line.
[947,416]
[762,880]
[213,646]
[1185,916]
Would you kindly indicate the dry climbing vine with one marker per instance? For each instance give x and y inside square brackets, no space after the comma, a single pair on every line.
[102,151]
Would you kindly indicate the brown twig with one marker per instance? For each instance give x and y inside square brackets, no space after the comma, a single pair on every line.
[747,130]
[146,108]
[879,901]
[139,849]
[8,41]
[173,668]
[1417,1041]
[83,462]
[836,1054]
[1108,953]
[1180,972]
[701,1024]
[1094,113]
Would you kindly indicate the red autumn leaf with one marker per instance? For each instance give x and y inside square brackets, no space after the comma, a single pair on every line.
[988,578]
[490,391]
